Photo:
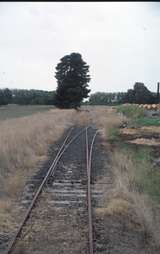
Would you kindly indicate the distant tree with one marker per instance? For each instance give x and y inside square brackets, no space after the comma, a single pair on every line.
[130,96]
[142,94]
[139,94]
[32,97]
[5,96]
[1,97]
[101,98]
[98,98]
[120,97]
[72,81]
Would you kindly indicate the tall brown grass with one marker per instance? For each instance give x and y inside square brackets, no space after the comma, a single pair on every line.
[106,118]
[144,208]
[23,144]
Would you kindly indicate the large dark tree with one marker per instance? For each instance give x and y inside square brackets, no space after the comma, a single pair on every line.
[142,94]
[72,81]
[139,94]
[130,96]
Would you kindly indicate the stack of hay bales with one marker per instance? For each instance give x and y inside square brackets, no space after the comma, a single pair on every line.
[155,107]
[150,106]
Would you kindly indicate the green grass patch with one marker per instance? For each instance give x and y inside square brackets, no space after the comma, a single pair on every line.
[131,111]
[144,121]
[14,111]
[113,134]
[147,177]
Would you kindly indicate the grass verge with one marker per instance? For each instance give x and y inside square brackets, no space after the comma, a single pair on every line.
[146,178]
[136,184]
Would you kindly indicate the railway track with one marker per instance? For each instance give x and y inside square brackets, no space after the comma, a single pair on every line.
[69,188]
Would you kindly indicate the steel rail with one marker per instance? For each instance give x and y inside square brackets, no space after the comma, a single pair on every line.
[50,170]
[89,162]
[87,151]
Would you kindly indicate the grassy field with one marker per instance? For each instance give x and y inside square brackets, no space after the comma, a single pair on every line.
[14,111]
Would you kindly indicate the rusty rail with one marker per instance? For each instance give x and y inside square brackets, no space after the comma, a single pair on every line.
[89,162]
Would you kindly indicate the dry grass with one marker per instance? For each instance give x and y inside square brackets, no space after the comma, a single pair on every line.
[14,184]
[116,206]
[106,118]
[6,219]
[125,186]
[25,140]
[82,118]
[23,144]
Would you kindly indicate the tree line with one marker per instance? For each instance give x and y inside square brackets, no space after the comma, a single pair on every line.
[5,96]
[138,95]
[101,98]
[26,97]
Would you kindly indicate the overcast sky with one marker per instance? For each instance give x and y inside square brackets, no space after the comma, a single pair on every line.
[119,40]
